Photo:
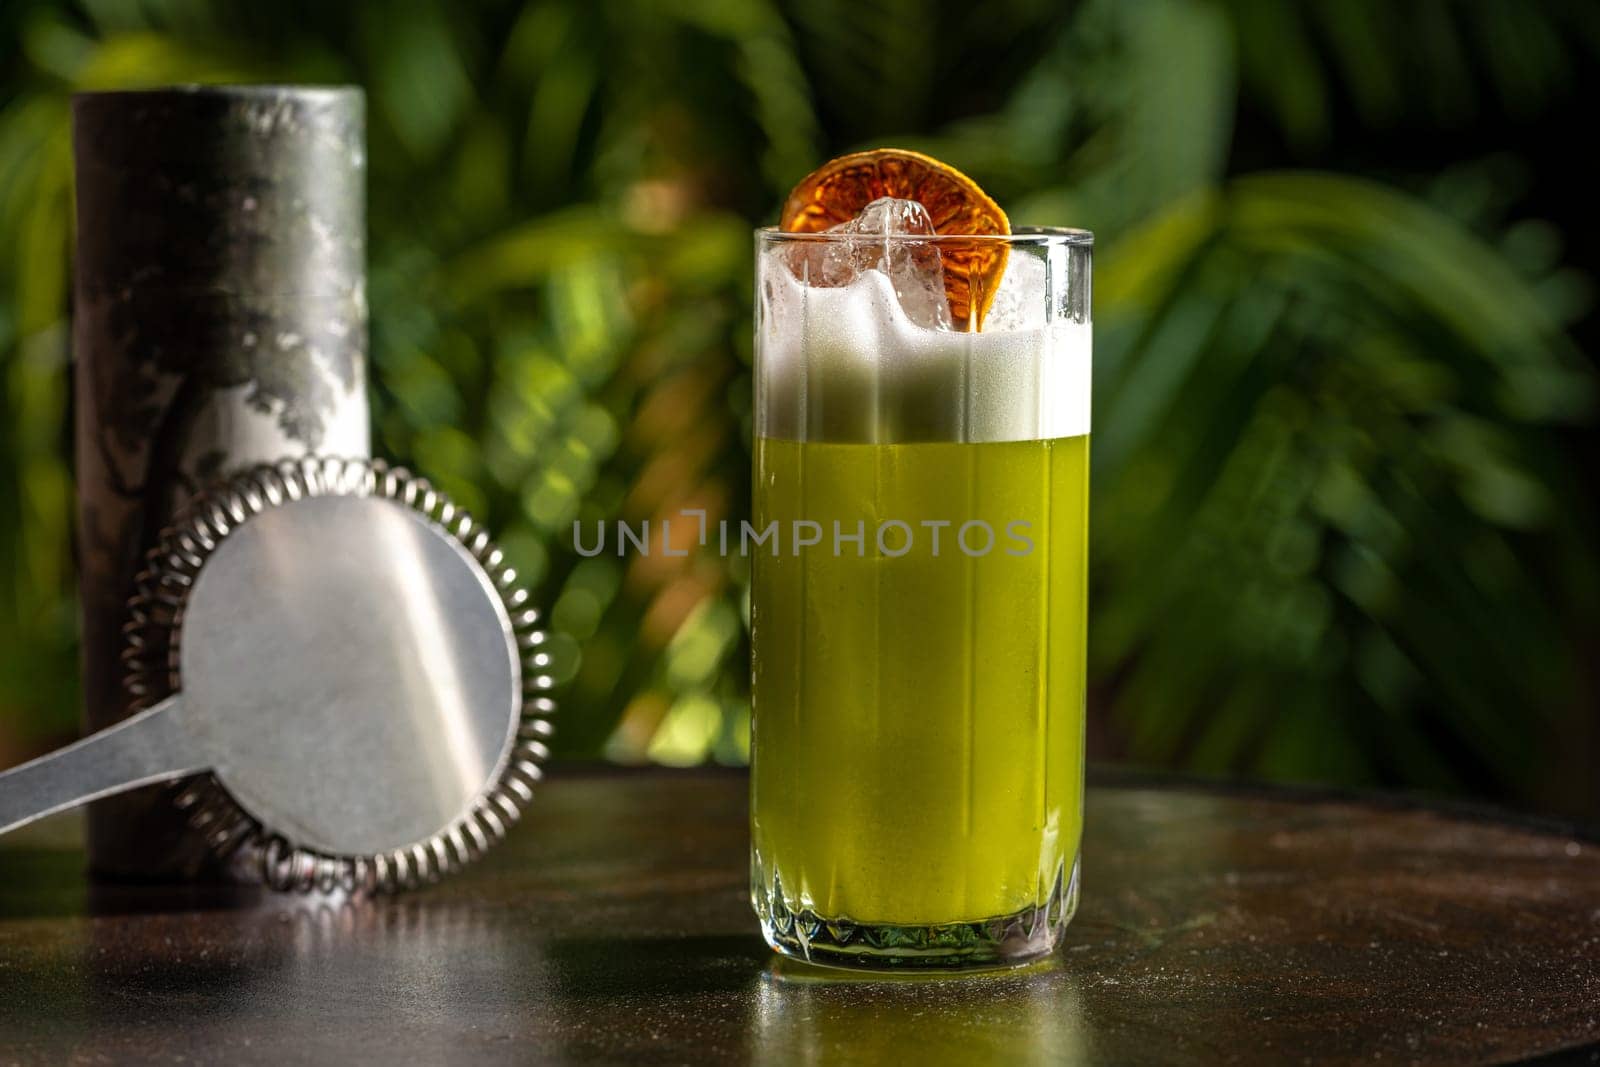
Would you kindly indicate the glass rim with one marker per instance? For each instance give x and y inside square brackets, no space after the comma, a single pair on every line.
[1041,236]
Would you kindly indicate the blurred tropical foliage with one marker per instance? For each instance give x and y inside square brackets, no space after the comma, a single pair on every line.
[1343,528]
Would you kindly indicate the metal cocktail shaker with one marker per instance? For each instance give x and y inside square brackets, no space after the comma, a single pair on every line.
[220,322]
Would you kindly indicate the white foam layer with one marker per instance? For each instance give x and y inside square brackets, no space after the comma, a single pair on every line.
[845,363]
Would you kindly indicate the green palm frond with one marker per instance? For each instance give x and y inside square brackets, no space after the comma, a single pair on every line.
[1129,107]
[1328,477]
[1435,63]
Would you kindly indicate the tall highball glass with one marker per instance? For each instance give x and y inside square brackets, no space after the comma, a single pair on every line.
[919,548]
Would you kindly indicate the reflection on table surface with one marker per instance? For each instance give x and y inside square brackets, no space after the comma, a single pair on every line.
[1032,1015]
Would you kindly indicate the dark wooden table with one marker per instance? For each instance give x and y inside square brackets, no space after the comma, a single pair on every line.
[1217,926]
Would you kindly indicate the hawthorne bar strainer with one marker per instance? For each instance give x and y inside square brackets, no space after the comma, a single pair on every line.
[346,653]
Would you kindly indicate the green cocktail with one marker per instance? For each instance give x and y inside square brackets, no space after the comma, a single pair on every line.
[921,716]
[917,624]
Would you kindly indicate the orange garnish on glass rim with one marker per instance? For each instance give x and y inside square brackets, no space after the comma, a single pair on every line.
[837,191]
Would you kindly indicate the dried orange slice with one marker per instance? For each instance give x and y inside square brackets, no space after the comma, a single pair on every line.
[837,191]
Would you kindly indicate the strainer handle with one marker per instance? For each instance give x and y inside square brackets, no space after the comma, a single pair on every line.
[152,746]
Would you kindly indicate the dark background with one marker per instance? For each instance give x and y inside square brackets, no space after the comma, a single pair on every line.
[1345,392]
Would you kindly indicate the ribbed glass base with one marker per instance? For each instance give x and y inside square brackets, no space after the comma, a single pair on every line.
[1001,941]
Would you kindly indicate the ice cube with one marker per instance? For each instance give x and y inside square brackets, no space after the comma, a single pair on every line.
[1021,302]
[875,242]
[913,267]
[886,216]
